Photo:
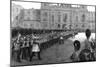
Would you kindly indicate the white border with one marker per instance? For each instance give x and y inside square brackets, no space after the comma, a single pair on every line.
[5,33]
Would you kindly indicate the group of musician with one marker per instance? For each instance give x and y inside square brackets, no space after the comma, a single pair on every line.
[25,47]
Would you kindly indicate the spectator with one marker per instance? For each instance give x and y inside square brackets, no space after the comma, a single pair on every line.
[93,51]
[74,56]
[85,55]
[88,50]
[87,41]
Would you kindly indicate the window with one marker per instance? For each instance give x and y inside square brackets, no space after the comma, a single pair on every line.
[45,24]
[17,9]
[70,26]
[31,25]
[25,25]
[52,18]
[65,17]
[28,12]
[45,4]
[76,25]
[83,25]
[44,19]
[63,26]
[45,14]
[28,18]
[76,18]
[83,18]
[58,25]
[38,15]
[59,18]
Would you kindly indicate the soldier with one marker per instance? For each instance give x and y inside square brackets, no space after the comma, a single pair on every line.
[23,49]
[17,50]
[35,50]
[61,40]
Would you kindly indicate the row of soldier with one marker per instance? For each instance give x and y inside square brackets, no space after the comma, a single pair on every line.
[25,46]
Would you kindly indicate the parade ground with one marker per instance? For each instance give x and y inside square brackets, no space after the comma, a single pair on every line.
[58,53]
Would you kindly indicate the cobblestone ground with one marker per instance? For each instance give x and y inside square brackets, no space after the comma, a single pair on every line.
[57,53]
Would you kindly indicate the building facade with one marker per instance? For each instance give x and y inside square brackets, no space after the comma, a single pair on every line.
[15,14]
[54,16]
[65,16]
[31,19]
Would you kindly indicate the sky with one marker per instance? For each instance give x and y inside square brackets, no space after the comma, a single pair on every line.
[28,5]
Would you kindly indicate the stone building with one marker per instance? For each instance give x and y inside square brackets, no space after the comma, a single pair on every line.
[15,14]
[31,19]
[25,18]
[66,16]
[54,16]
